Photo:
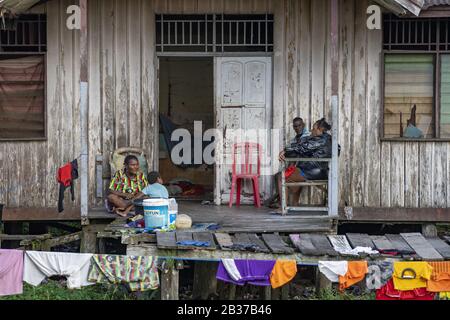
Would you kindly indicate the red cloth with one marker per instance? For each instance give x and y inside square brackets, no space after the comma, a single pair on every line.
[65,175]
[388,292]
[290,171]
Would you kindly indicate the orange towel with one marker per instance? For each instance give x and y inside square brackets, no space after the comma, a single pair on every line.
[283,272]
[357,271]
[440,278]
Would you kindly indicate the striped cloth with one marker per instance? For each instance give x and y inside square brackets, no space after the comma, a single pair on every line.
[122,183]
[139,273]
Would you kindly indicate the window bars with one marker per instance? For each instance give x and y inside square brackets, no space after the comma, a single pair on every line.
[214,33]
[27,33]
[416,34]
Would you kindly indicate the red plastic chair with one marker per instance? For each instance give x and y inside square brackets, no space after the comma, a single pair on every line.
[246,172]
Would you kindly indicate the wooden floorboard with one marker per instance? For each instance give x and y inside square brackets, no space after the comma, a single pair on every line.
[323,245]
[400,244]
[382,243]
[224,240]
[303,244]
[360,240]
[276,244]
[440,246]
[422,247]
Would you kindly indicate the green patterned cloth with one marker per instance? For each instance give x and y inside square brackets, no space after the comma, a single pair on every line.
[139,273]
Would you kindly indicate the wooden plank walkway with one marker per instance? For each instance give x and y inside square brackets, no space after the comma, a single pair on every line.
[440,246]
[382,243]
[422,247]
[360,240]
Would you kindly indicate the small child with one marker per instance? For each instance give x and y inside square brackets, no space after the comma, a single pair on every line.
[155,188]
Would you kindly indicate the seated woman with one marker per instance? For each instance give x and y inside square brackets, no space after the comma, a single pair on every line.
[318,145]
[126,186]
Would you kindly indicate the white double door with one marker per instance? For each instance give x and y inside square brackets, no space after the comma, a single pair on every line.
[243,104]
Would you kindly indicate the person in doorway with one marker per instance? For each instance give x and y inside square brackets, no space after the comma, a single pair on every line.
[126,186]
[155,188]
[318,145]
[301,132]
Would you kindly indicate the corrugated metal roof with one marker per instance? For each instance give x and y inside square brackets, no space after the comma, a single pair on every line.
[401,7]
[16,6]
[433,3]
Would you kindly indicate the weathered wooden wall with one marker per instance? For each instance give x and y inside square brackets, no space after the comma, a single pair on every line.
[123,99]
[28,169]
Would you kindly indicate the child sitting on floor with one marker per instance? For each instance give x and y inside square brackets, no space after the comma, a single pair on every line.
[155,188]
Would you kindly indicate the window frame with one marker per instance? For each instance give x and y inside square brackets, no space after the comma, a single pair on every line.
[44,55]
[436,53]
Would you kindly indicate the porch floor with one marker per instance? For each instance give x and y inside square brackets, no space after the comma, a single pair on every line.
[251,219]
[242,219]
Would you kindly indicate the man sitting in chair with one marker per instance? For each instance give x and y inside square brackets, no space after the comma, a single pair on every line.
[126,186]
[318,145]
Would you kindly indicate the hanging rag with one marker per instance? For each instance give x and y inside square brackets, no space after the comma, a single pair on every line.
[41,265]
[440,277]
[283,272]
[11,272]
[242,272]
[380,272]
[444,295]
[192,243]
[333,269]
[411,275]
[66,176]
[388,292]
[138,273]
[357,271]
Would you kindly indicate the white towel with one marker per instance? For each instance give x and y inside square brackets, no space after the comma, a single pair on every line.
[41,265]
[333,269]
[232,270]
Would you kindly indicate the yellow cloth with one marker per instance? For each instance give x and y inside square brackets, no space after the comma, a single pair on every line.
[440,278]
[283,272]
[357,271]
[444,296]
[422,272]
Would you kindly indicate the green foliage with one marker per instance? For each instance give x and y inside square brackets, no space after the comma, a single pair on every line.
[54,290]
[336,295]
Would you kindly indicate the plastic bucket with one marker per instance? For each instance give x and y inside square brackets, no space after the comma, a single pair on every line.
[173,212]
[156,213]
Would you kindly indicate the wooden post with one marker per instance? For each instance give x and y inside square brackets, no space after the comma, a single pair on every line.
[429,231]
[266,293]
[84,109]
[333,184]
[226,291]
[170,278]
[322,282]
[205,282]
[88,240]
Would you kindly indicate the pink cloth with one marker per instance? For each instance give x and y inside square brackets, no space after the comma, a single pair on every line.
[11,272]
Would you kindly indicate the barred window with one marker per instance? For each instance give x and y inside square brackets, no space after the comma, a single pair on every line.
[22,78]
[416,77]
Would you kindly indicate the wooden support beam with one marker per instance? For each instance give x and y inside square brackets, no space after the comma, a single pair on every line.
[226,291]
[205,282]
[266,293]
[322,282]
[89,239]
[170,278]
[84,107]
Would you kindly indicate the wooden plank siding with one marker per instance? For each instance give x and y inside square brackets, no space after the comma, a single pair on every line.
[123,100]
